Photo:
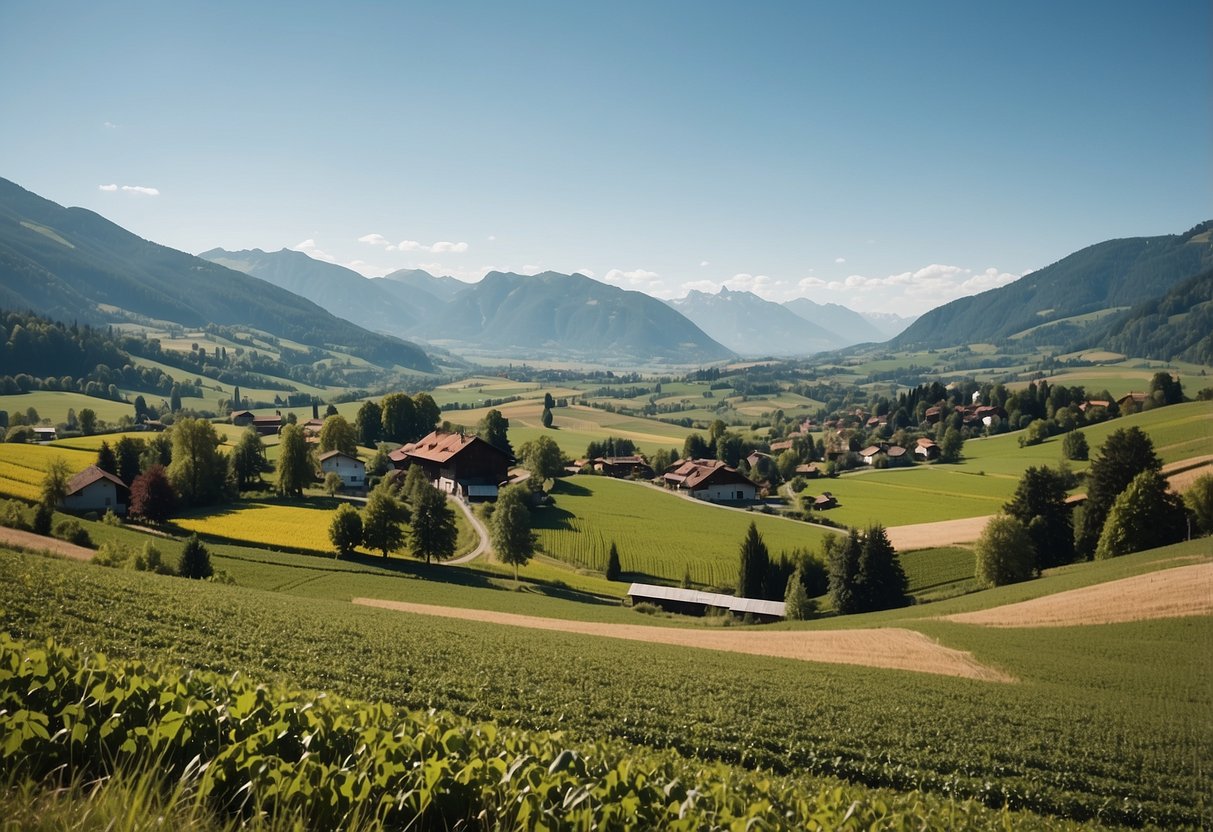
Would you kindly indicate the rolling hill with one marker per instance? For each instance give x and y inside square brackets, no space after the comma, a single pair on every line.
[751,326]
[1109,274]
[1176,327]
[73,264]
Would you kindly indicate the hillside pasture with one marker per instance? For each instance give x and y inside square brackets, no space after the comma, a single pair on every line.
[22,467]
[659,535]
[53,405]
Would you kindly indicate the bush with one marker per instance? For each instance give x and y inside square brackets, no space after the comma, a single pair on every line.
[43,516]
[72,532]
[111,519]
[1199,500]
[14,515]
[195,560]
[112,554]
[645,608]
[1074,446]
[1005,552]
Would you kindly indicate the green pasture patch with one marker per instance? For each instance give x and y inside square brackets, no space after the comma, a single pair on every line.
[658,534]
[931,571]
[53,405]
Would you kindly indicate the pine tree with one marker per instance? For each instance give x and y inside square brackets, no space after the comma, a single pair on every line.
[882,581]
[432,533]
[195,560]
[755,562]
[797,604]
[613,568]
[106,460]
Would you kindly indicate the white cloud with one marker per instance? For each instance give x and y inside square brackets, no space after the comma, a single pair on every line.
[704,263]
[309,248]
[810,282]
[443,247]
[639,279]
[492,237]
[109,125]
[840,259]
[440,247]
[373,239]
[137,190]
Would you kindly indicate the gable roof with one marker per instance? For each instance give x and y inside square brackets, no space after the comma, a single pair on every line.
[331,454]
[88,476]
[696,473]
[441,447]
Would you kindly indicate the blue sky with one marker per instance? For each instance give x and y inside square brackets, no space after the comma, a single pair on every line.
[889,156]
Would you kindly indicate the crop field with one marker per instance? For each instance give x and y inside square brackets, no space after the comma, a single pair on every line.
[658,534]
[54,405]
[1109,722]
[22,467]
[930,571]
[477,389]
[297,525]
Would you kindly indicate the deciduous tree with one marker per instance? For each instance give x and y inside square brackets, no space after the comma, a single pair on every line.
[399,418]
[248,459]
[369,423]
[294,465]
[1074,446]
[198,471]
[152,496]
[1005,552]
[494,429]
[543,458]
[510,528]
[1199,499]
[195,560]
[1125,453]
[88,421]
[128,452]
[1143,516]
[432,532]
[381,521]
[338,435]
[345,529]
[426,413]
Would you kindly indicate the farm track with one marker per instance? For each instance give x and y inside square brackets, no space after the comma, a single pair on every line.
[1169,593]
[38,543]
[483,546]
[892,648]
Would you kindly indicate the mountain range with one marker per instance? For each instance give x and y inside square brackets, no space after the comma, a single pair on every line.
[73,264]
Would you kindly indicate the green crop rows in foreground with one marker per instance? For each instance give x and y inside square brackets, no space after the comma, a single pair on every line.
[1111,723]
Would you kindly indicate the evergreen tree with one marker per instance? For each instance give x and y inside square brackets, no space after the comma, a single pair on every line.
[548,401]
[369,422]
[88,421]
[294,464]
[951,445]
[547,417]
[754,564]
[106,460]
[381,521]
[129,451]
[195,560]
[797,604]
[175,399]
[1039,504]
[1005,552]
[415,481]
[1125,453]
[141,412]
[345,529]
[432,532]
[237,401]
[494,429]
[882,583]
[842,564]
[331,410]
[152,496]
[510,528]
[613,567]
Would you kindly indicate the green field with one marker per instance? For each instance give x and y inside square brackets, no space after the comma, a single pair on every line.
[659,534]
[1109,723]
[54,405]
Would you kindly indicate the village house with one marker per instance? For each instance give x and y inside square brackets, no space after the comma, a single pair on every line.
[267,425]
[351,469]
[1131,402]
[927,449]
[1090,403]
[242,418]
[624,467]
[897,455]
[809,469]
[868,455]
[96,490]
[824,501]
[457,463]
[781,446]
[711,480]
[45,434]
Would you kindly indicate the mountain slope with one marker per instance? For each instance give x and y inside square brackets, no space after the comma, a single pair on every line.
[749,325]
[1176,327]
[444,288]
[852,328]
[1109,274]
[341,291]
[74,264]
[570,315]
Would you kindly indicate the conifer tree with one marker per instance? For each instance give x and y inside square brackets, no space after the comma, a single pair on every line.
[106,460]
[755,563]
[195,560]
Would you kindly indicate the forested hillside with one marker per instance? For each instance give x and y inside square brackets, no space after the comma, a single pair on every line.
[1116,273]
[75,265]
[1176,327]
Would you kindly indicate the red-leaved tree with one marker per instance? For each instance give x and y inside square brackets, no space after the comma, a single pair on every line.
[152,496]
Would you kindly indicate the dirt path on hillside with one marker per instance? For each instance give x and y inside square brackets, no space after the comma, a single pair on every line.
[481,532]
[889,647]
[1169,593]
[38,543]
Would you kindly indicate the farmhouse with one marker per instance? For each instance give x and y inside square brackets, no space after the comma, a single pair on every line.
[623,467]
[927,449]
[242,418]
[897,455]
[96,490]
[826,500]
[869,454]
[351,469]
[45,434]
[1131,402]
[809,469]
[694,602]
[710,479]
[458,464]
[783,445]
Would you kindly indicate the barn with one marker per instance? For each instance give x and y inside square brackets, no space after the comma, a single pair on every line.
[457,463]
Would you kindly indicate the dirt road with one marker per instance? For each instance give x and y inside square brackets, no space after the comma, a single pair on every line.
[889,647]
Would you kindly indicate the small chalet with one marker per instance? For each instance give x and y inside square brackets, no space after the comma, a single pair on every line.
[826,500]
[242,418]
[810,470]
[267,425]
[781,446]
[351,469]
[312,427]
[869,454]
[96,490]
[44,434]
[1131,402]
[694,602]
[933,413]
[897,455]
[458,464]
[927,449]
[710,479]
[1090,403]
[624,467]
